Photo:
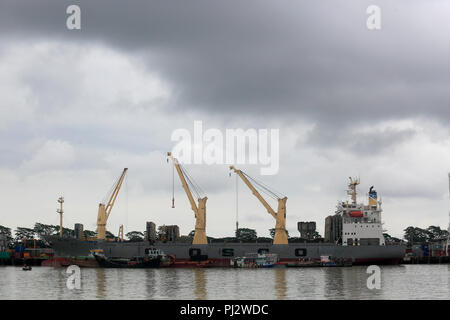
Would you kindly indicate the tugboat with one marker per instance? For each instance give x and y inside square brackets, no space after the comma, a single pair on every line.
[154,258]
[304,263]
[328,261]
[26,268]
[255,260]
[325,261]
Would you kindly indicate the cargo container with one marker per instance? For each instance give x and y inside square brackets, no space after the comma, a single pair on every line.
[4,255]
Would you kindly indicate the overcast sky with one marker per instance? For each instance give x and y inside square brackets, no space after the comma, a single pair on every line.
[77,106]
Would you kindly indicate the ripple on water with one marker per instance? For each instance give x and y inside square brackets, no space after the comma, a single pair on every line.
[397,282]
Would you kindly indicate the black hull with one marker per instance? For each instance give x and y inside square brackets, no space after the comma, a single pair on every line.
[104,262]
[365,255]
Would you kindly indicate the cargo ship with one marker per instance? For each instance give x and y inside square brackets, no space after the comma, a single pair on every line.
[354,233]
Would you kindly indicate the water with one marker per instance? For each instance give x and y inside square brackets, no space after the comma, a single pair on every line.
[397,282]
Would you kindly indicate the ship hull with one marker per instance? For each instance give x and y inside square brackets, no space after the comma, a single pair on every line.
[220,254]
[104,262]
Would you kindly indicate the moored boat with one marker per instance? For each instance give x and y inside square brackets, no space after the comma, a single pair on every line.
[154,258]
[255,260]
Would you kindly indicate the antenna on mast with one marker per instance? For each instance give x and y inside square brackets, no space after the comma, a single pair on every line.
[352,188]
[60,211]
[237,206]
[173,183]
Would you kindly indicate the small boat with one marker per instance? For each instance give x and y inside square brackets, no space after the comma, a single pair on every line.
[255,260]
[26,268]
[328,261]
[304,263]
[154,258]
[325,261]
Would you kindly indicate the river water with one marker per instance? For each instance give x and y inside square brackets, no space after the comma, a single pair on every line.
[397,282]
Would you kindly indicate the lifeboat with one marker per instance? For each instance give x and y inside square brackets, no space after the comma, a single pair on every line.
[356,214]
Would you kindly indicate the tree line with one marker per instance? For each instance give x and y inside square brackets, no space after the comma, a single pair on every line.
[430,234]
[41,231]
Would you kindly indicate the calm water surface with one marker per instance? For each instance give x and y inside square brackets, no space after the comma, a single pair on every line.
[397,282]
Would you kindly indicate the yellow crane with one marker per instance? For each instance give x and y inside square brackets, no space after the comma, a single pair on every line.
[199,208]
[280,215]
[120,234]
[104,209]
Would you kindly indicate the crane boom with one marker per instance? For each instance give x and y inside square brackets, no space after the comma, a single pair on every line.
[280,215]
[120,234]
[104,210]
[199,208]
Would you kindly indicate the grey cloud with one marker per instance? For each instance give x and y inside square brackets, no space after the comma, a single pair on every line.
[239,63]
[369,143]
[284,58]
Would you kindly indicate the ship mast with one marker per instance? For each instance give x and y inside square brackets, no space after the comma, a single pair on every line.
[352,188]
[60,211]
[120,234]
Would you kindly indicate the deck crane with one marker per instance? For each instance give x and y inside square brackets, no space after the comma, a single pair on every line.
[199,208]
[280,215]
[104,208]
[120,234]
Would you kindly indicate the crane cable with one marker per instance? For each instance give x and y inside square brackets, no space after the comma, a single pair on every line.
[264,188]
[126,207]
[110,191]
[173,185]
[192,183]
[237,204]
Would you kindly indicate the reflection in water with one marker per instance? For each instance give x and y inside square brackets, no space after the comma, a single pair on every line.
[62,281]
[171,283]
[150,282]
[280,283]
[334,282]
[355,282]
[100,275]
[397,282]
[199,284]
[120,279]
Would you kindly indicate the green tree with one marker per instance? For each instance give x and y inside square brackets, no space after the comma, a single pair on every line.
[6,232]
[414,234]
[109,235]
[89,234]
[41,230]
[389,239]
[135,236]
[245,234]
[67,232]
[272,233]
[435,232]
[316,235]
[24,233]
[161,234]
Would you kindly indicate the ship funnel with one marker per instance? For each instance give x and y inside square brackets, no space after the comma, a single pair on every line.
[373,197]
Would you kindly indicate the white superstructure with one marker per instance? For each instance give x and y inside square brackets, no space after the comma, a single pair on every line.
[361,224]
